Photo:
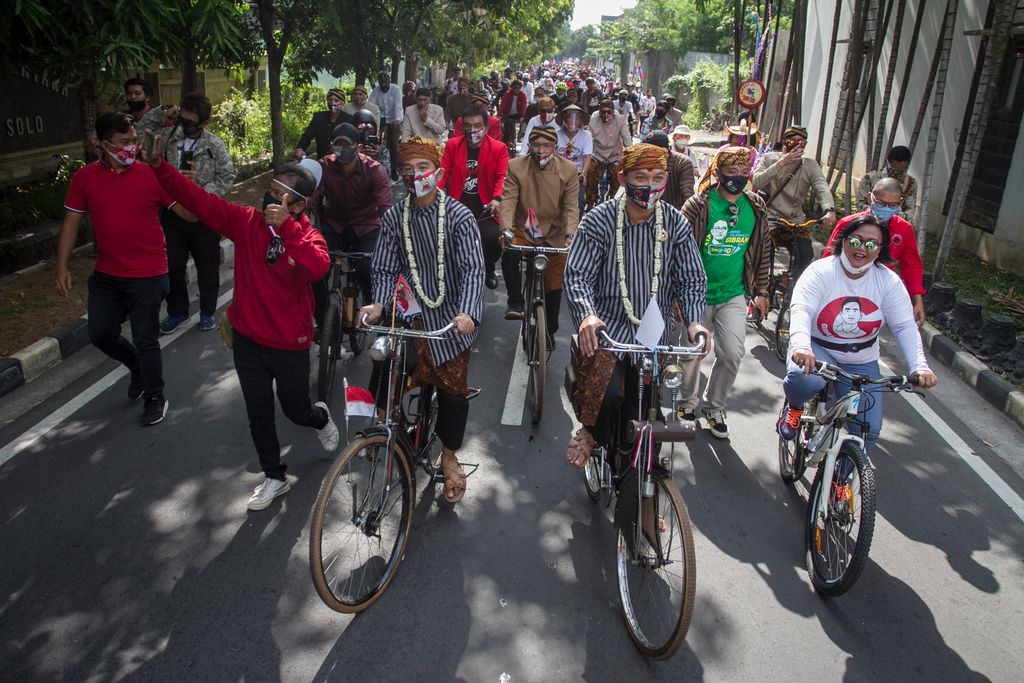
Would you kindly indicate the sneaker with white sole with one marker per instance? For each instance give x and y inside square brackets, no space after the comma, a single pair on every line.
[716,422]
[328,434]
[266,492]
[154,410]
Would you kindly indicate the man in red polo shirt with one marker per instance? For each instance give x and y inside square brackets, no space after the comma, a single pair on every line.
[130,280]
[474,166]
[885,201]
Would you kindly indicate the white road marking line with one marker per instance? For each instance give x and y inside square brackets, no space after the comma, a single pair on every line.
[960,447]
[51,421]
[515,399]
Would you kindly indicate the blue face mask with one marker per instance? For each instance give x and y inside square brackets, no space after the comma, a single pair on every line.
[883,213]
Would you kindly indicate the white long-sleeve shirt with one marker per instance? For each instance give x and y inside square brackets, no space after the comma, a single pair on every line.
[831,306]
[390,103]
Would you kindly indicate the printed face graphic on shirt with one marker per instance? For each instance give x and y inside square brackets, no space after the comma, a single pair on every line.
[721,241]
[850,317]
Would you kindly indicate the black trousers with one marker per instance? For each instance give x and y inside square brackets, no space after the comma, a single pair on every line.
[514,287]
[259,368]
[489,234]
[391,139]
[111,301]
[452,410]
[801,254]
[203,244]
[345,241]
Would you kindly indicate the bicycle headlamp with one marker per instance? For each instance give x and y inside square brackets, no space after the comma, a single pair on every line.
[381,349]
[672,377]
[540,263]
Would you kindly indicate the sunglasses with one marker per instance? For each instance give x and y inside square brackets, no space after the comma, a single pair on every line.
[734,213]
[870,246]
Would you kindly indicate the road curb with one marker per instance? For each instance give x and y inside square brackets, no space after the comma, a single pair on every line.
[989,385]
[59,345]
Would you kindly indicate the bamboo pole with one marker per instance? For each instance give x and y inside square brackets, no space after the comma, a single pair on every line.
[828,76]
[883,114]
[906,73]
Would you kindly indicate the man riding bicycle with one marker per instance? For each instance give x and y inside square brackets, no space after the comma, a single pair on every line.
[611,135]
[511,110]
[432,241]
[628,252]
[547,186]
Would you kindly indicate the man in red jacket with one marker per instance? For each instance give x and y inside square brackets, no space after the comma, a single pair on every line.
[278,254]
[885,201]
[474,166]
[493,123]
[511,110]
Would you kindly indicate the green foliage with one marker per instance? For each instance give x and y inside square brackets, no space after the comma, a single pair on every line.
[25,205]
[706,84]
[243,122]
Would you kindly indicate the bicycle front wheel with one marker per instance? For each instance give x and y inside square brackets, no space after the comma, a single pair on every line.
[782,331]
[537,354]
[361,524]
[839,534]
[657,569]
[330,350]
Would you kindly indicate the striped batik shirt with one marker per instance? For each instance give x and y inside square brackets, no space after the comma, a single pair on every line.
[592,272]
[464,268]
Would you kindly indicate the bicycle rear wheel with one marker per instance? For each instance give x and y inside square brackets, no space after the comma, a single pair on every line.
[537,354]
[658,578]
[330,350]
[360,524]
[837,547]
[782,331]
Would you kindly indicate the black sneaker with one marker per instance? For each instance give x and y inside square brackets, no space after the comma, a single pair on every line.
[154,411]
[135,388]
[716,423]
[514,312]
[686,415]
[491,281]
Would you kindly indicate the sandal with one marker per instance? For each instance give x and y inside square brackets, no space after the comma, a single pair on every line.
[454,480]
[580,446]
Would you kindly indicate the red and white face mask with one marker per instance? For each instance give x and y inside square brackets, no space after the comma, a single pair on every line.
[125,156]
[421,183]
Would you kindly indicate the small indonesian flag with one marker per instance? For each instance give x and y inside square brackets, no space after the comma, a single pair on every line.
[358,402]
[533,225]
[405,299]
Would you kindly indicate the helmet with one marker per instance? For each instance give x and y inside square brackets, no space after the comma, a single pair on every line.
[505,82]
[561,86]
[364,117]
[494,74]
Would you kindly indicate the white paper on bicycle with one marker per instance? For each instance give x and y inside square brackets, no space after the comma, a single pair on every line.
[407,304]
[652,326]
[533,225]
[358,402]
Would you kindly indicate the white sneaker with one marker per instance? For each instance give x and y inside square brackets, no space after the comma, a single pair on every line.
[328,434]
[266,492]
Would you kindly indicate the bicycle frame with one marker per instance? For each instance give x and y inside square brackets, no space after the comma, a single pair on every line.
[343,284]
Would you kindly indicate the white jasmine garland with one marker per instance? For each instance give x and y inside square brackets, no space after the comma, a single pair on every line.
[416,282]
[659,237]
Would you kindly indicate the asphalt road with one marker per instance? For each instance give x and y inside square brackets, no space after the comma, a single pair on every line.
[127,553]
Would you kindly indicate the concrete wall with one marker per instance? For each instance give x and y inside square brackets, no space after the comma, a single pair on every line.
[1006,246]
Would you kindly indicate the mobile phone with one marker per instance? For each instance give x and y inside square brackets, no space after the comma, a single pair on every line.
[185,163]
[149,143]
[372,140]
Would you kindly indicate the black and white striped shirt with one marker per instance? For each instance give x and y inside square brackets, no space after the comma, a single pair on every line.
[592,272]
[464,268]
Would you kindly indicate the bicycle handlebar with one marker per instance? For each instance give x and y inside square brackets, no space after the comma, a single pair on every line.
[530,248]
[401,332]
[831,372]
[696,350]
[350,254]
[793,226]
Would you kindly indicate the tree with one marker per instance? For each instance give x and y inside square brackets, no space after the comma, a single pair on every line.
[215,34]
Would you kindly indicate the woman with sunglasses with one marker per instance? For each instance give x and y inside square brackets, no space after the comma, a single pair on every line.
[839,306]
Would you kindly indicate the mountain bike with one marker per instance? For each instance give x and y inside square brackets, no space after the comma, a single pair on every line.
[534,330]
[363,513]
[655,561]
[339,319]
[840,518]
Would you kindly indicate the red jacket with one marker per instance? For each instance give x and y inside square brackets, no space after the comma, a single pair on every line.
[493,127]
[506,104]
[492,165]
[902,248]
[273,304]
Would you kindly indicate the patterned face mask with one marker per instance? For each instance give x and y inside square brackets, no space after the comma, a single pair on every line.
[644,196]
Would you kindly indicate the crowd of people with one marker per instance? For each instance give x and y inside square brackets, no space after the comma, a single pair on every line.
[557,154]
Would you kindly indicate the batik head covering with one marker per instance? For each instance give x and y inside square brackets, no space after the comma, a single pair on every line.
[727,156]
[418,147]
[644,156]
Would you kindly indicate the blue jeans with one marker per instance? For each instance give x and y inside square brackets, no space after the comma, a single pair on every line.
[800,388]
[111,300]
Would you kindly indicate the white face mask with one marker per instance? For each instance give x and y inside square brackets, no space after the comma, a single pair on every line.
[682,145]
[546,118]
[850,268]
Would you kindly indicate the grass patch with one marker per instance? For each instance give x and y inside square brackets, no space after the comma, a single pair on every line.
[978,280]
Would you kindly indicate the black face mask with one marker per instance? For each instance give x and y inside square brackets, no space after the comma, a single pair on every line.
[345,155]
[734,184]
[136,105]
[189,128]
[269,199]
[660,113]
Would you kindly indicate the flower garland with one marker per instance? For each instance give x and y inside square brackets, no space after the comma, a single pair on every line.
[659,236]
[416,282]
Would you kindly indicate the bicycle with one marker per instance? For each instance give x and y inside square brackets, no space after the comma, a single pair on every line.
[780,285]
[363,513]
[339,319]
[835,555]
[655,562]
[534,329]
[509,125]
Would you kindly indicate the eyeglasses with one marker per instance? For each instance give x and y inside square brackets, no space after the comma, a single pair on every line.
[856,243]
[888,205]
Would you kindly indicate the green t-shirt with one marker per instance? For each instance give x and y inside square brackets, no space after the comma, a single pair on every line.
[724,247]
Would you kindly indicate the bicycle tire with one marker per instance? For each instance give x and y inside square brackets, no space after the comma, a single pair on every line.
[662,645]
[537,355]
[330,350]
[405,487]
[782,331]
[817,548]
